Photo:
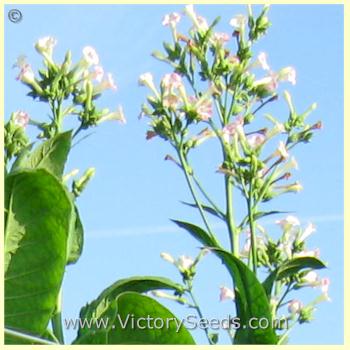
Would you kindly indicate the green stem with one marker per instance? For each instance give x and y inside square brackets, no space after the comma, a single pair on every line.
[286,333]
[252,230]
[198,309]
[27,337]
[193,192]
[233,233]
[56,320]
[205,194]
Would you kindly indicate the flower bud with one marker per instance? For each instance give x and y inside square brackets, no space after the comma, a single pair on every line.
[80,185]
[226,294]
[295,306]
[167,257]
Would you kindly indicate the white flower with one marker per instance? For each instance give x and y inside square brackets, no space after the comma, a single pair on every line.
[167,257]
[171,19]
[45,46]
[184,263]
[262,60]
[288,74]
[311,278]
[312,253]
[200,23]
[21,118]
[117,115]
[288,222]
[238,22]
[282,150]
[107,83]
[310,228]
[146,79]
[221,38]
[295,306]
[90,56]
[226,294]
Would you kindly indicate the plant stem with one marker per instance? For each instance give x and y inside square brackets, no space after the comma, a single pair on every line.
[252,229]
[233,234]
[56,320]
[193,192]
[198,309]
[29,338]
[207,197]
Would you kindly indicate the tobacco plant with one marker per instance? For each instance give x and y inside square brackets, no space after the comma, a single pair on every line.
[216,90]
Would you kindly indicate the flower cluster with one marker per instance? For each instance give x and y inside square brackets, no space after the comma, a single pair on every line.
[216,89]
[76,85]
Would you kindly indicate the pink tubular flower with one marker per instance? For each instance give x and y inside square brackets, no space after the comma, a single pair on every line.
[97,73]
[26,74]
[295,306]
[171,101]
[255,140]
[21,118]
[172,81]
[231,129]
[325,282]
[205,110]
[226,294]
[221,38]
[269,83]
[90,56]
[202,106]
[171,19]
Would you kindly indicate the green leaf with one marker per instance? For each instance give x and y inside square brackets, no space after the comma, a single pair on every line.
[134,306]
[38,218]
[251,302]
[50,155]
[293,266]
[140,284]
[290,268]
[206,208]
[198,233]
[75,240]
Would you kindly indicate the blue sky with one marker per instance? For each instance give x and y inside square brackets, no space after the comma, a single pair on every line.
[127,206]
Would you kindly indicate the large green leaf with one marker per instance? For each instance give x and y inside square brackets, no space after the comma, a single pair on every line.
[251,303]
[38,218]
[75,240]
[290,268]
[50,155]
[198,233]
[140,284]
[130,320]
